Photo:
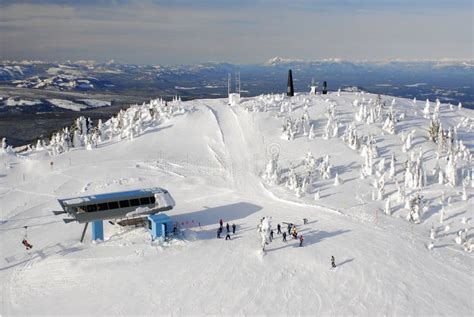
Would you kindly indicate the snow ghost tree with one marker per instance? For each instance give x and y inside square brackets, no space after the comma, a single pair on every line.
[392,170]
[332,126]
[390,121]
[350,137]
[264,229]
[433,130]
[271,174]
[387,209]
[289,129]
[426,110]
[415,174]
[451,171]
[407,141]
[311,134]
[415,205]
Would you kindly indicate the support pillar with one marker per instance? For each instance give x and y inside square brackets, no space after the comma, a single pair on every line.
[98,230]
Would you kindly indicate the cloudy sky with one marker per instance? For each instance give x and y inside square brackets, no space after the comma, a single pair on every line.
[238,31]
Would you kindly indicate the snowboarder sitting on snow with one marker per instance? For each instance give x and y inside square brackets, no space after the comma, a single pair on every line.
[26,244]
[227,227]
[301,240]
[333,262]
[233,228]
[284,236]
[305,221]
[227,237]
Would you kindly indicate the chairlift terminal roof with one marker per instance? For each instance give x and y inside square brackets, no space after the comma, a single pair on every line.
[136,193]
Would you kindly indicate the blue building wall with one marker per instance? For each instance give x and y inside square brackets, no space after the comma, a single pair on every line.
[159,225]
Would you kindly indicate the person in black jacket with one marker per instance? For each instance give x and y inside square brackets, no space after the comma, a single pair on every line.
[278,229]
[233,228]
[227,227]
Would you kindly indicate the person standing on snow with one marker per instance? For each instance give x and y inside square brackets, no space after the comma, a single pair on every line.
[289,228]
[301,240]
[233,228]
[219,233]
[227,237]
[271,235]
[278,229]
[295,234]
[333,262]
[221,223]
[227,227]
[284,236]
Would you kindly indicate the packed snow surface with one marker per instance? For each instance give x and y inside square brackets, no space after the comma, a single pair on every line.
[238,164]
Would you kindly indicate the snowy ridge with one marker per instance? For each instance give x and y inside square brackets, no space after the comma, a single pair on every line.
[334,160]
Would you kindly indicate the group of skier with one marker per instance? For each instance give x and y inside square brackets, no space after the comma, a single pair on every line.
[221,228]
[291,230]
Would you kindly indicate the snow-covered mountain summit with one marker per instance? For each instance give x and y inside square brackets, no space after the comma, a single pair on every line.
[386,186]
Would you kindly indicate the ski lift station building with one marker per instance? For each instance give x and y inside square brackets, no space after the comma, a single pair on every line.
[119,205]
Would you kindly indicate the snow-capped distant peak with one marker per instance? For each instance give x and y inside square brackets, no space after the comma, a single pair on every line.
[281,60]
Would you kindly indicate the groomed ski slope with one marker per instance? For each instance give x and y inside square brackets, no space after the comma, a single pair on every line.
[211,158]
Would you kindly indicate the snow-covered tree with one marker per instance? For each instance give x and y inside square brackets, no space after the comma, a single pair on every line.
[387,209]
[426,110]
[264,230]
[332,126]
[415,208]
[415,174]
[392,171]
[311,134]
[432,232]
[442,212]
[433,130]
[451,171]
[464,192]
[271,174]
[390,122]
[407,141]
[351,138]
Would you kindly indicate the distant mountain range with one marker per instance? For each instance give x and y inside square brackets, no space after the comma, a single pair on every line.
[448,80]
[37,98]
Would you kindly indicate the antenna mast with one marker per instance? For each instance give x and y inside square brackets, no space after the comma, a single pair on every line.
[237,82]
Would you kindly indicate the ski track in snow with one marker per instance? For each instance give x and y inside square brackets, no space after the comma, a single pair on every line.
[383,268]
